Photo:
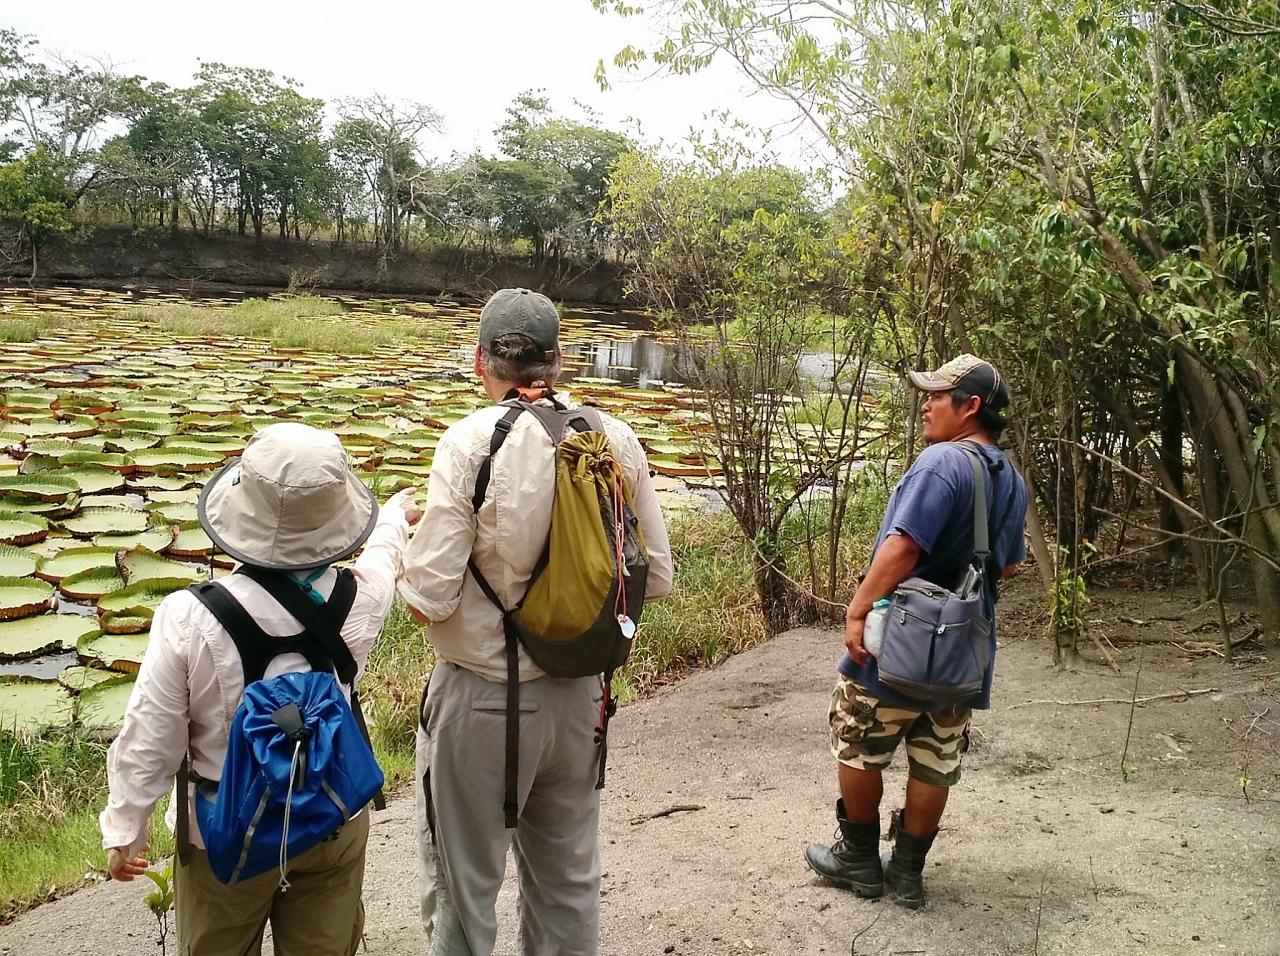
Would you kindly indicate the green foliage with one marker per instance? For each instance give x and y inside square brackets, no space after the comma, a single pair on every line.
[34,194]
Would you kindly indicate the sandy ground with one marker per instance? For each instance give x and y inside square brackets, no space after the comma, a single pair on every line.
[1046,847]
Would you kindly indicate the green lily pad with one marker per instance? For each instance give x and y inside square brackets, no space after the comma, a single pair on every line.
[27,706]
[155,538]
[129,620]
[20,597]
[77,677]
[117,652]
[16,563]
[104,705]
[192,541]
[76,561]
[34,506]
[142,565]
[94,521]
[160,482]
[31,636]
[93,479]
[40,487]
[20,528]
[174,511]
[91,584]
[176,459]
[145,594]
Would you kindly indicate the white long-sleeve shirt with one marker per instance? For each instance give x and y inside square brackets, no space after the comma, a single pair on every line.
[191,682]
[506,536]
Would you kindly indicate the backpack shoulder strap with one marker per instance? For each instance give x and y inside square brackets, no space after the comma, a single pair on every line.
[322,624]
[500,432]
[252,642]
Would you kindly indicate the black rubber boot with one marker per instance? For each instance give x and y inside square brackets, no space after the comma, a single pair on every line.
[903,868]
[853,861]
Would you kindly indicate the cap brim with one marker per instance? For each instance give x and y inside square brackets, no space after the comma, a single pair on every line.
[217,533]
[930,381]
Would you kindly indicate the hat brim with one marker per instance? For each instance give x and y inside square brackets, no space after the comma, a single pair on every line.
[930,381]
[218,507]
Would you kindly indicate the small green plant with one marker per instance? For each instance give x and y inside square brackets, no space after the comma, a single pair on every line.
[160,901]
[1071,595]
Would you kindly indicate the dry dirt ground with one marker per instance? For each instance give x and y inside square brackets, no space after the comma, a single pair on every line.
[1047,847]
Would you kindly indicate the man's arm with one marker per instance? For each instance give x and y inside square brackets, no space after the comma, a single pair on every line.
[435,561]
[891,565]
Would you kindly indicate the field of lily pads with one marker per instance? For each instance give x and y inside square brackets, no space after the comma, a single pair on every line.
[112,418]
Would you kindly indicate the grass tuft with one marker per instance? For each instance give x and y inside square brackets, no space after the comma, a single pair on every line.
[294,322]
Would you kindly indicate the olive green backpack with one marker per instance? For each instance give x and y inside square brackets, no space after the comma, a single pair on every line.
[578,616]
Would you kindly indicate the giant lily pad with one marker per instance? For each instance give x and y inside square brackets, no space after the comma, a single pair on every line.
[192,541]
[177,512]
[94,521]
[16,563]
[20,597]
[145,594]
[26,706]
[129,620]
[76,561]
[155,538]
[40,487]
[35,635]
[142,565]
[176,459]
[104,705]
[77,677]
[91,584]
[20,528]
[118,652]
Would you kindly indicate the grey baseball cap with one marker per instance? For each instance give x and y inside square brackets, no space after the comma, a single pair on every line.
[531,314]
[970,373]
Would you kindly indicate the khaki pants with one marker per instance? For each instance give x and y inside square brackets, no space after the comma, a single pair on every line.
[463,842]
[321,913]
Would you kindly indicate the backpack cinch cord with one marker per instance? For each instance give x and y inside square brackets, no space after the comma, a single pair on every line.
[288,807]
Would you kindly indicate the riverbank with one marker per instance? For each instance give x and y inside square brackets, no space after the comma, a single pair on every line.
[112,254]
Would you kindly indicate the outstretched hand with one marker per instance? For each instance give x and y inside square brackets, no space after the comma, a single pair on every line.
[405,501]
[122,868]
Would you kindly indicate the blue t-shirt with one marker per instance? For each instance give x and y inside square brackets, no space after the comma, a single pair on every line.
[933,505]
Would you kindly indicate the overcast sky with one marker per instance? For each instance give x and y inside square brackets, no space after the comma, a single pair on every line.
[466,58]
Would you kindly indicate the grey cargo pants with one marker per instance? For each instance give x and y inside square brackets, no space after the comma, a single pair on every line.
[462,841]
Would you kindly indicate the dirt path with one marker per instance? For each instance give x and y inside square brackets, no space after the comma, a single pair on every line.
[1046,849]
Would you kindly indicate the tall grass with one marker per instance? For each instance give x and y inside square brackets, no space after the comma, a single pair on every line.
[52,787]
[293,322]
[30,328]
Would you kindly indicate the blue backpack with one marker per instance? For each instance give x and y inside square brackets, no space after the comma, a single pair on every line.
[298,762]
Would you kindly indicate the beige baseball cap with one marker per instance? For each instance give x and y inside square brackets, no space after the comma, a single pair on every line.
[290,502]
[970,373]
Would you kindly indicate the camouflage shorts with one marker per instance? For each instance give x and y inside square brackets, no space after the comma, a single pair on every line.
[865,732]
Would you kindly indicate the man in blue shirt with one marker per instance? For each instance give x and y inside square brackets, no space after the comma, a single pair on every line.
[927,532]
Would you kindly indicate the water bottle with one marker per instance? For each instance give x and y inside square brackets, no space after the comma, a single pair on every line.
[873,629]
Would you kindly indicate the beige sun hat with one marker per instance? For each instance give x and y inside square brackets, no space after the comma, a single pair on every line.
[290,502]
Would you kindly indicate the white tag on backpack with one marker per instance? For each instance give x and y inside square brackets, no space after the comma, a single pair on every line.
[627,626]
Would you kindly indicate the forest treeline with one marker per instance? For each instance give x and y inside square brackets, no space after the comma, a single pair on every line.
[244,151]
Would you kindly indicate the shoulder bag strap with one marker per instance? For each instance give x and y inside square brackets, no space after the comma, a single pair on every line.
[981,532]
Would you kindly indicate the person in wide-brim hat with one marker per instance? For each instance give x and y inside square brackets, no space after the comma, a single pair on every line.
[290,503]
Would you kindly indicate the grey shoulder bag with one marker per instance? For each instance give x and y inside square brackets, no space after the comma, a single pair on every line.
[937,641]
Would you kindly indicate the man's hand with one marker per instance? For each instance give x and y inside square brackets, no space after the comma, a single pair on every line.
[404,500]
[853,627]
[122,868]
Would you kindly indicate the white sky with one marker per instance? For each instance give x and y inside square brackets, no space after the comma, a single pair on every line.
[467,58]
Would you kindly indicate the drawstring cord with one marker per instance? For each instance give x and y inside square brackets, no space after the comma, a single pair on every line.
[288,806]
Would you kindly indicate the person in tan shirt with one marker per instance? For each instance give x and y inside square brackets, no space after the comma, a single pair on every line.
[290,503]
[463,840]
